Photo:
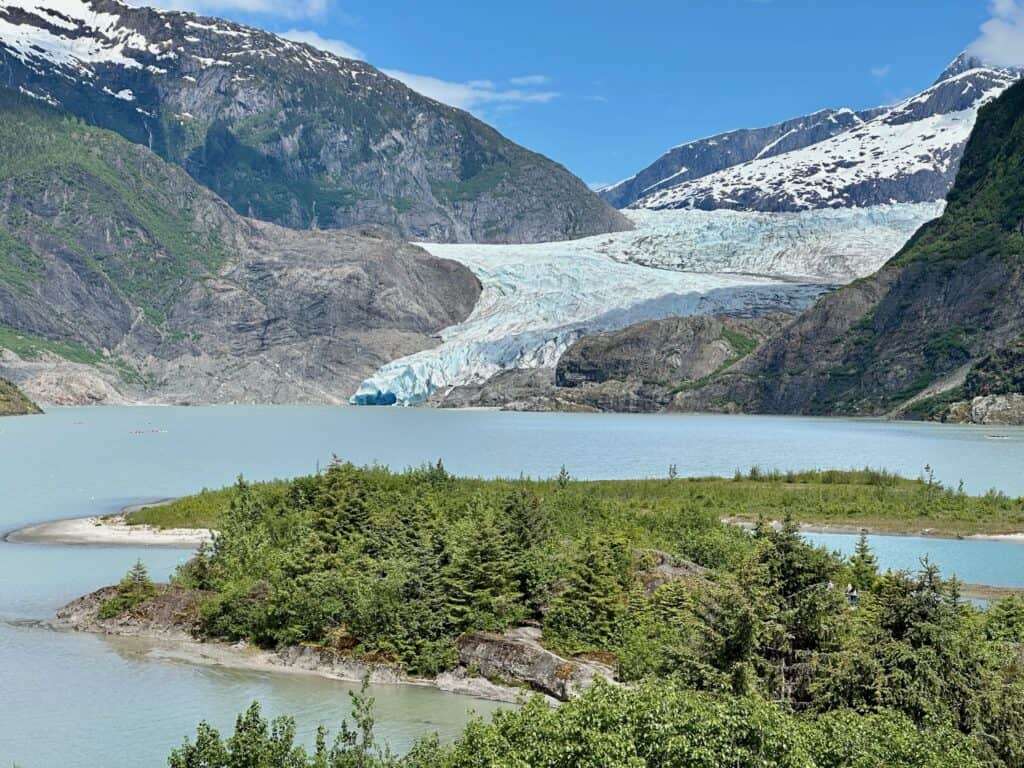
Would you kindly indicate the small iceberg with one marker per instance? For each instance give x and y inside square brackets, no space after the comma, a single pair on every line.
[373,396]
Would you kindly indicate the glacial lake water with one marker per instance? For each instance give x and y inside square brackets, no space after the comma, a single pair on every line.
[79,701]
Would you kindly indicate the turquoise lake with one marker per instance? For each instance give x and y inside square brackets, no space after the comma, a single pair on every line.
[79,701]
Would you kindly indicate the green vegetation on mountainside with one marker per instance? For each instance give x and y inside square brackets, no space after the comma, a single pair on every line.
[945,302]
[13,402]
[136,222]
[985,209]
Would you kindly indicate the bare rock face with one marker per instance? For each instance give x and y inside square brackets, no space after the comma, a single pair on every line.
[518,655]
[512,385]
[991,410]
[635,370]
[130,282]
[671,351]
[665,568]
[172,612]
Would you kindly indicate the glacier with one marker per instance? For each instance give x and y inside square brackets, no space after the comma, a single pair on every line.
[831,244]
[539,299]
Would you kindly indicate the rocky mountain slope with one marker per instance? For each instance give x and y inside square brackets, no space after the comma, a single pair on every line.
[288,133]
[122,278]
[13,402]
[938,315]
[836,158]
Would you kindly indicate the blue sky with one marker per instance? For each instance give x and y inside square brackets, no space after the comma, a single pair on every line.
[605,88]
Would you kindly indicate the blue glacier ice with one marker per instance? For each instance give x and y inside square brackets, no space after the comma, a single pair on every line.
[538,299]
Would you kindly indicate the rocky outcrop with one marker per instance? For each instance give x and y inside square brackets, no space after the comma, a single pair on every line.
[172,613]
[991,410]
[949,299]
[635,370]
[128,281]
[13,402]
[673,351]
[504,387]
[289,133]
[518,655]
[663,569]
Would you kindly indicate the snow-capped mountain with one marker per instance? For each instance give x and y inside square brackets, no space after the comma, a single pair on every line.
[909,152]
[705,156]
[286,132]
[539,299]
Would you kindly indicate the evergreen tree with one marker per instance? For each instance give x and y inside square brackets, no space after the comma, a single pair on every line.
[588,614]
[480,577]
[863,565]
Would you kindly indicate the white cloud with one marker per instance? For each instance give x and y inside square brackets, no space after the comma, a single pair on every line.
[881,72]
[474,93]
[529,80]
[337,47]
[293,9]
[1002,37]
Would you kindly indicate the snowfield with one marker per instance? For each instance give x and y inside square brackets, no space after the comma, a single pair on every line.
[908,152]
[539,299]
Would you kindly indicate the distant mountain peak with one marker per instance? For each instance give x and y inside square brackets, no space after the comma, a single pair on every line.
[965,62]
[907,152]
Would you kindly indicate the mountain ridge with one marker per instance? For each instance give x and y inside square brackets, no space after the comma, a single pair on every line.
[908,152]
[122,279]
[286,132]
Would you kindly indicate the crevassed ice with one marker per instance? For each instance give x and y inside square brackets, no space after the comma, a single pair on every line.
[538,299]
[835,245]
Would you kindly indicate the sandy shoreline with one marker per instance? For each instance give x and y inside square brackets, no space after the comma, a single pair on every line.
[113,530]
[110,530]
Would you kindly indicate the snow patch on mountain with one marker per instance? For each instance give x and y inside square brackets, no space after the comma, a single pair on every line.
[909,152]
[68,33]
[77,39]
[539,299]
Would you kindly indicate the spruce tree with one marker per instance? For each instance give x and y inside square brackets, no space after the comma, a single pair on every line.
[863,565]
